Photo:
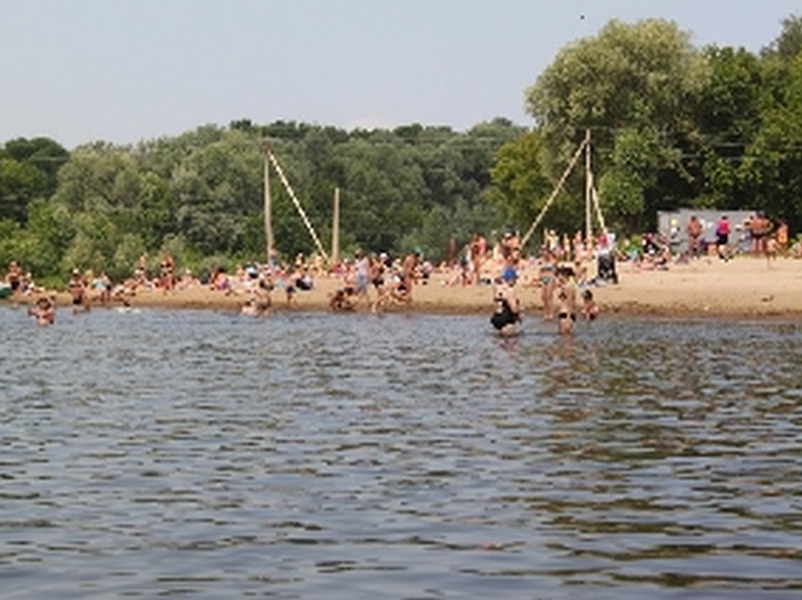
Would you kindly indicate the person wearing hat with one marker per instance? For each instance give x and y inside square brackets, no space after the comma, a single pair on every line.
[507,306]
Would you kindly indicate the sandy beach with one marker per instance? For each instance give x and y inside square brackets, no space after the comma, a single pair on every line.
[743,287]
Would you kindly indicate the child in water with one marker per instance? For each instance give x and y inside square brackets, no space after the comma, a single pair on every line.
[590,310]
[44,311]
[565,315]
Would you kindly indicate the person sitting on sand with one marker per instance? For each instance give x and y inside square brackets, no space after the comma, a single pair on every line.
[44,310]
[259,302]
[507,306]
[219,281]
[187,280]
[305,282]
[343,300]
[401,287]
[14,277]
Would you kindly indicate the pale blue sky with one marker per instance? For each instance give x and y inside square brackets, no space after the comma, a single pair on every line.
[127,70]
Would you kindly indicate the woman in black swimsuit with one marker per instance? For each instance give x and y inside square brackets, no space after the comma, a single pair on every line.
[508,308]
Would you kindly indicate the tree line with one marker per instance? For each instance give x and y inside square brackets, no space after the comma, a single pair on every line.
[672,126]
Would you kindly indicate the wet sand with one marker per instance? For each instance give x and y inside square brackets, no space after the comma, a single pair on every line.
[743,287]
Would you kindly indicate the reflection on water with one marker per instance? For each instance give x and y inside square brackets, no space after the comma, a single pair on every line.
[304,456]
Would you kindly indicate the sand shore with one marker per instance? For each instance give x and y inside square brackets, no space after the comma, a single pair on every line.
[743,287]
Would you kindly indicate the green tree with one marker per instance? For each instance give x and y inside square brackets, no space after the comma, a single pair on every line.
[631,81]
[771,170]
[788,44]
[45,154]
[216,189]
[20,184]
[519,185]
[729,117]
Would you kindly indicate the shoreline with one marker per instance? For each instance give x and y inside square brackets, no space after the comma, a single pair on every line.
[746,287]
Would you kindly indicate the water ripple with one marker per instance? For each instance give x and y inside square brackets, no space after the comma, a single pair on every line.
[402,456]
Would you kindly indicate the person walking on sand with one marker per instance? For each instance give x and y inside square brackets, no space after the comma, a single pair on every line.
[409,271]
[694,231]
[723,238]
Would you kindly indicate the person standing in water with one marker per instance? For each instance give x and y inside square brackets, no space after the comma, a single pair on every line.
[507,306]
[44,311]
[590,310]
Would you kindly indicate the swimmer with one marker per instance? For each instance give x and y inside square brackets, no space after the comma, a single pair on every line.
[44,311]
[249,308]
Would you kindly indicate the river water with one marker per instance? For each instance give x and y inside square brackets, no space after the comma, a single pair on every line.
[207,455]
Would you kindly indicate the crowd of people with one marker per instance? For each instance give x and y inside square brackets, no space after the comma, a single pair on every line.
[562,272]
[375,281]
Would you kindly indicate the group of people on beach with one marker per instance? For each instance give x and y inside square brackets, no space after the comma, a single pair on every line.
[756,235]
[391,280]
[375,281]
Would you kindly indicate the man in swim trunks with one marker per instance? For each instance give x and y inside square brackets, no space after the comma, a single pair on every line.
[77,289]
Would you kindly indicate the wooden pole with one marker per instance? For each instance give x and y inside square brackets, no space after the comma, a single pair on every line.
[599,215]
[269,242]
[588,190]
[335,229]
[554,194]
[297,203]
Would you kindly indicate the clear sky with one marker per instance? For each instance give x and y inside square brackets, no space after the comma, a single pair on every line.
[127,70]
